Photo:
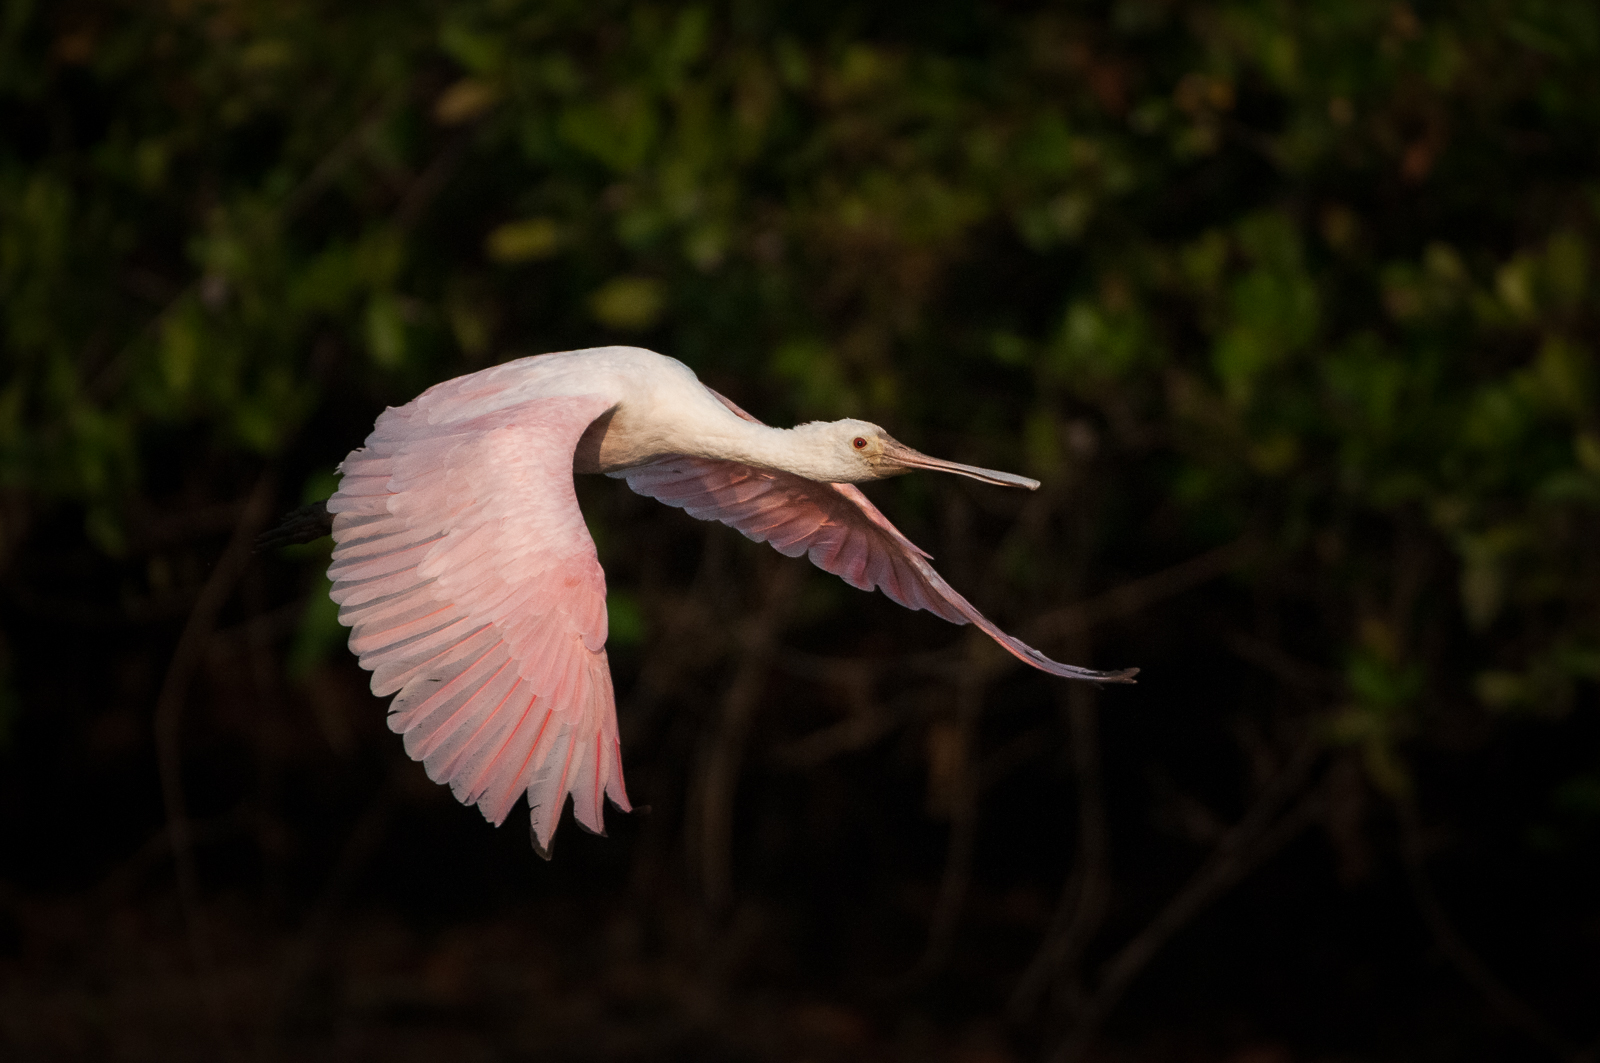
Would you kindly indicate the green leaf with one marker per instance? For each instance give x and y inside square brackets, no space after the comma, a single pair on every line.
[625,617]
[523,241]
[629,303]
[386,331]
[319,634]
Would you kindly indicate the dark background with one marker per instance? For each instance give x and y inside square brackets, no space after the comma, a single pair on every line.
[1291,306]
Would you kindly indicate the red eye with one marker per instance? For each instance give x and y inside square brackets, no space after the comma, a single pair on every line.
[860,443]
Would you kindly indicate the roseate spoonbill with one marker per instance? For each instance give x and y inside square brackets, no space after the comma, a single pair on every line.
[465,572]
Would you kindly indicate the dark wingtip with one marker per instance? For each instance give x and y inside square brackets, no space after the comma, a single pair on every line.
[631,810]
[1124,676]
[545,852]
[601,833]
[304,525]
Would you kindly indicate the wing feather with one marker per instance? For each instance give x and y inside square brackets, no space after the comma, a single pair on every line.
[474,595]
[837,528]
[431,717]
[391,612]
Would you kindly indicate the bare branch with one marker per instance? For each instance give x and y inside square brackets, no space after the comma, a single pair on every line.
[1305,679]
[300,964]
[1470,965]
[723,752]
[957,875]
[186,659]
[1137,595]
[1248,844]
[1082,906]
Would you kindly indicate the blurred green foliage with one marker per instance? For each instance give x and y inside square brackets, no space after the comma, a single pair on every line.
[1322,272]
[1314,285]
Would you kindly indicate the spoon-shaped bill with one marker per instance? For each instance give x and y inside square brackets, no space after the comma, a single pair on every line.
[899,455]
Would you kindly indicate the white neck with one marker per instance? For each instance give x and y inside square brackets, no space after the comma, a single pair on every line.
[806,450]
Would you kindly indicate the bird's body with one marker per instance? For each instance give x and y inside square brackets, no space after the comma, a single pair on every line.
[465,570]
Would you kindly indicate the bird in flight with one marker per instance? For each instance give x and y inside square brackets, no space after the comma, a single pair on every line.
[473,592]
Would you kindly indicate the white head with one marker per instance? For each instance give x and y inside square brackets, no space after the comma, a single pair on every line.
[852,451]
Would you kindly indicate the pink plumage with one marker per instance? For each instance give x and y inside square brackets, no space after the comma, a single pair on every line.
[473,591]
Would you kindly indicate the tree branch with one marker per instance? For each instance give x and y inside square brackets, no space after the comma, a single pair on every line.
[1244,847]
[168,721]
[1137,595]
[1082,906]
[956,878]
[1471,967]
[723,752]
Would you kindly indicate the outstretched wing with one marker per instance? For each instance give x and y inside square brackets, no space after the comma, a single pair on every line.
[837,528]
[474,595]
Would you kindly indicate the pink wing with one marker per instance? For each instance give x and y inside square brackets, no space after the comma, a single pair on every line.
[837,528]
[472,587]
